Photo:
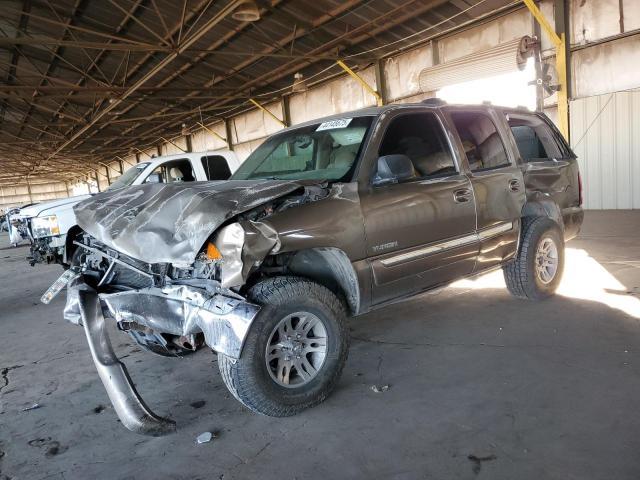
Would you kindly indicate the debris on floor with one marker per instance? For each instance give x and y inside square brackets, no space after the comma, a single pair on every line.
[205,437]
[379,388]
[477,461]
[198,404]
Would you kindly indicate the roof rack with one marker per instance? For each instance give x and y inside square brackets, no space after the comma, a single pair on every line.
[434,102]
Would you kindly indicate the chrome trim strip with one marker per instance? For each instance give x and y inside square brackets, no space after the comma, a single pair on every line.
[493,231]
[458,242]
[449,244]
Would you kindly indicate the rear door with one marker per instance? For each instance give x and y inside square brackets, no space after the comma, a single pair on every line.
[420,232]
[497,183]
[550,167]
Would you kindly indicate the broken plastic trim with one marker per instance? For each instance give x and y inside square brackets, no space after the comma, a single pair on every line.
[183,310]
[131,409]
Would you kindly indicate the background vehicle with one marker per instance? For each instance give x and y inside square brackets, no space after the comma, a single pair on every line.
[331,218]
[49,223]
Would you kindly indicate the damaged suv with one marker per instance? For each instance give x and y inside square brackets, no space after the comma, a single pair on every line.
[325,220]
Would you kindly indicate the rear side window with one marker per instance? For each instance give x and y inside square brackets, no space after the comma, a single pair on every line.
[175,171]
[216,167]
[481,141]
[534,138]
[420,137]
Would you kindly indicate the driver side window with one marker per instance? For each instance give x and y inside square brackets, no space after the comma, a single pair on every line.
[419,136]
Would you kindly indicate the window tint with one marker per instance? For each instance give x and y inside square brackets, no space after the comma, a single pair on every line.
[174,171]
[420,137]
[216,167]
[481,141]
[534,138]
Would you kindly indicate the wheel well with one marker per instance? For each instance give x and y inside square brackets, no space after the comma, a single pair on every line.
[544,208]
[329,267]
[69,247]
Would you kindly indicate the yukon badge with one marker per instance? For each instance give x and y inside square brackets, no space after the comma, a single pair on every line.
[384,246]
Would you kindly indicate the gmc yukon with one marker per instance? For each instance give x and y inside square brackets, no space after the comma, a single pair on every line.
[325,220]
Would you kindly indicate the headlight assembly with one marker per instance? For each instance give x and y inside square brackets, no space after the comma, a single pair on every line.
[45,226]
[228,248]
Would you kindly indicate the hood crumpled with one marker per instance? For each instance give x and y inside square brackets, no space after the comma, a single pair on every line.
[158,223]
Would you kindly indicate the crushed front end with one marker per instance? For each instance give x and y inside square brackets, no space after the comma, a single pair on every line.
[167,310]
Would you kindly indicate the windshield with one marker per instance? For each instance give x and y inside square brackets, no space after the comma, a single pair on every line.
[128,177]
[323,151]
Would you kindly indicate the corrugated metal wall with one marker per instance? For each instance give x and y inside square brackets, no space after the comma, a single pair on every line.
[605,134]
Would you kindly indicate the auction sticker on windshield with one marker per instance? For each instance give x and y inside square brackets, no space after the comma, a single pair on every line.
[338,123]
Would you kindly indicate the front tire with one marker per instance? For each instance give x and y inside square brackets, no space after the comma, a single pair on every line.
[295,350]
[537,270]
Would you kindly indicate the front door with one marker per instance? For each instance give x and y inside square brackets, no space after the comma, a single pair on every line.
[419,232]
[497,182]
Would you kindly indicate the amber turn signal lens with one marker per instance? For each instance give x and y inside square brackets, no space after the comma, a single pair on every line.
[212,252]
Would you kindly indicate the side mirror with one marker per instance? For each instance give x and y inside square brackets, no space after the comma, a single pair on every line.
[154,178]
[393,169]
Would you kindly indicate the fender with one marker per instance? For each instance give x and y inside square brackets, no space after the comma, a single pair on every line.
[539,206]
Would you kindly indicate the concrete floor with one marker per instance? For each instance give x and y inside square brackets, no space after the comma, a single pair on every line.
[481,386]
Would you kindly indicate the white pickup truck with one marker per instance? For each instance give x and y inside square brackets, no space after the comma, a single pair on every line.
[50,223]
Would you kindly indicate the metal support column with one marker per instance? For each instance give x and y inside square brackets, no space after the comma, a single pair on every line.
[559,42]
[227,129]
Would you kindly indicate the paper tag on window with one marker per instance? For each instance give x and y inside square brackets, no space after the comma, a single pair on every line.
[339,123]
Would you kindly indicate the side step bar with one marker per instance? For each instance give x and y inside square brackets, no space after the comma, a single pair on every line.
[131,409]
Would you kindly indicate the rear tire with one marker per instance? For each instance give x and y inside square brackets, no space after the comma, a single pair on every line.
[537,270]
[295,350]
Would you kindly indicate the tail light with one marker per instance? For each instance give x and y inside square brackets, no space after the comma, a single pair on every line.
[579,189]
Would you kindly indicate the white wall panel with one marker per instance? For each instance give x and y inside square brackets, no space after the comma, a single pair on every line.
[486,36]
[16,195]
[179,147]
[256,123]
[605,134]
[631,10]
[203,140]
[402,73]
[341,95]
[594,19]
[607,67]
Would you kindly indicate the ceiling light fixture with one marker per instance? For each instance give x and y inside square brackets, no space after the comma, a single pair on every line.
[299,83]
[246,12]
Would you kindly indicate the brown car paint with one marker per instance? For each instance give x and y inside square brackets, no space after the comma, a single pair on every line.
[372,224]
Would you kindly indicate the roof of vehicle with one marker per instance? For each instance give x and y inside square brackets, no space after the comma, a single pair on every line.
[375,111]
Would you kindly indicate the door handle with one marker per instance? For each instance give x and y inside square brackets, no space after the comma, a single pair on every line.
[462,195]
[514,185]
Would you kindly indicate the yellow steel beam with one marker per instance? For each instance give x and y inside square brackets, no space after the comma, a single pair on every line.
[215,134]
[561,65]
[268,112]
[563,98]
[362,82]
[174,144]
[542,20]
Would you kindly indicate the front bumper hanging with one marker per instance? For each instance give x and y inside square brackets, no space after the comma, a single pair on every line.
[131,409]
[178,310]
